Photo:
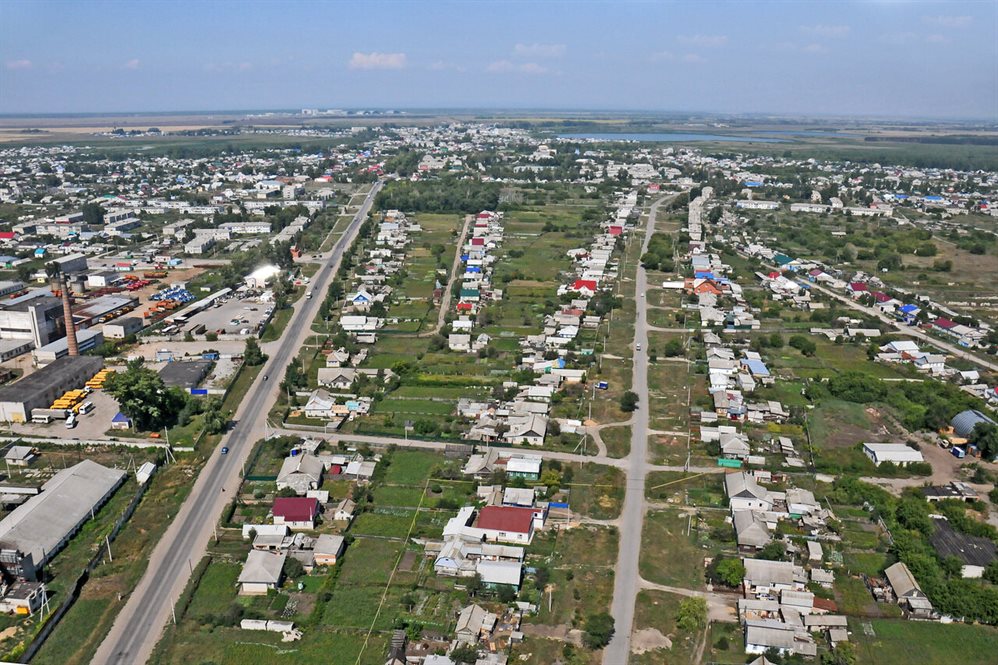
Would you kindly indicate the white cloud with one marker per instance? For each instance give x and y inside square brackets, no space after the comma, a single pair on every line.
[22,63]
[376,60]
[663,56]
[947,21]
[814,48]
[937,39]
[694,58]
[898,38]
[505,67]
[132,64]
[539,50]
[709,41]
[826,30]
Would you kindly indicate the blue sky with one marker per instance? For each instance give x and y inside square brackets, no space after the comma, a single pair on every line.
[884,58]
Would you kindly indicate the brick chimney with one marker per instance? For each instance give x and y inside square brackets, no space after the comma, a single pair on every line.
[67,314]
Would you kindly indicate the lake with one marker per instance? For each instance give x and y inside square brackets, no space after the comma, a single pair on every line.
[670,137]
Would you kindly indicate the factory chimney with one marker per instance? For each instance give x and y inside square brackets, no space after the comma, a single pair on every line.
[67,313]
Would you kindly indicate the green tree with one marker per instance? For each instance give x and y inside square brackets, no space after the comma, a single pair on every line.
[143,397]
[93,213]
[729,571]
[692,613]
[629,401]
[985,437]
[466,654]
[252,355]
[599,630]
[293,568]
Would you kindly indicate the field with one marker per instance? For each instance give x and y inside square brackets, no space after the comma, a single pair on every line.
[897,642]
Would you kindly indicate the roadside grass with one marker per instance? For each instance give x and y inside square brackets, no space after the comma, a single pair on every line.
[278,322]
[596,491]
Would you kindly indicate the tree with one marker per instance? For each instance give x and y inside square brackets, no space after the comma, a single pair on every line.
[293,568]
[985,437]
[629,401]
[465,654]
[144,397]
[803,344]
[843,654]
[774,551]
[93,213]
[673,348]
[252,355]
[599,630]
[692,613]
[728,571]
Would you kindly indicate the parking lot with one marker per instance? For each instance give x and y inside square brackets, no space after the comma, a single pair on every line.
[93,425]
[232,317]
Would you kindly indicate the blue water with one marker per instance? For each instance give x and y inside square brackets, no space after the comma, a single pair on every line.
[671,138]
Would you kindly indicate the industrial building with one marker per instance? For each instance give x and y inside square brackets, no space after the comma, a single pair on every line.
[36,530]
[87,339]
[35,316]
[40,389]
[185,375]
[123,327]
[102,309]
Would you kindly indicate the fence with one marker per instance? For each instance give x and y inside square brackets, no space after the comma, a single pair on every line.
[74,592]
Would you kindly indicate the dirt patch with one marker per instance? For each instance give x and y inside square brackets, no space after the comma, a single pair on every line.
[649,639]
[561,632]
[408,562]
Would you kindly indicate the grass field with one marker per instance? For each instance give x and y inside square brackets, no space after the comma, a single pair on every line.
[898,642]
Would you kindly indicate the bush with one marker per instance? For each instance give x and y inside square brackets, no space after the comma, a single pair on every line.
[629,402]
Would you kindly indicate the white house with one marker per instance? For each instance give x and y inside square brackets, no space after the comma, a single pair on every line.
[261,572]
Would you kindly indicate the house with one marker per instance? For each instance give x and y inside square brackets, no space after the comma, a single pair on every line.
[320,405]
[23,598]
[300,473]
[529,429]
[764,577]
[507,524]
[295,512]
[501,573]
[344,510]
[734,446]
[20,456]
[459,342]
[896,453]
[765,634]
[473,623]
[751,529]
[744,493]
[527,467]
[909,595]
[338,378]
[261,572]
[328,548]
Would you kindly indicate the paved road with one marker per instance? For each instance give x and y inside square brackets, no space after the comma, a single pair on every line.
[139,625]
[626,581]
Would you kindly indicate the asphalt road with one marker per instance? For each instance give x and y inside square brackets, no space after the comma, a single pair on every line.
[140,623]
[627,580]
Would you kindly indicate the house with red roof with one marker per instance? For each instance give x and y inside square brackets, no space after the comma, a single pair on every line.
[509,524]
[296,512]
[616,230]
[856,289]
[586,287]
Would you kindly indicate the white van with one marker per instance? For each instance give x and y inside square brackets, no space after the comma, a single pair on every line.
[71,421]
[86,408]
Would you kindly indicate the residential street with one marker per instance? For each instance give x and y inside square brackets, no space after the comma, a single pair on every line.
[139,626]
[627,581]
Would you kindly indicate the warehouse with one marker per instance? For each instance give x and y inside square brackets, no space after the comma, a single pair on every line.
[35,531]
[185,375]
[39,390]
[123,327]
[87,339]
[102,309]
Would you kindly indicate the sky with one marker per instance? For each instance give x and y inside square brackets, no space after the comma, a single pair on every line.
[886,58]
